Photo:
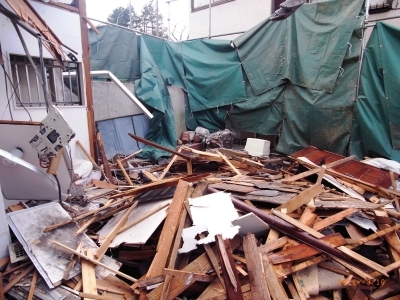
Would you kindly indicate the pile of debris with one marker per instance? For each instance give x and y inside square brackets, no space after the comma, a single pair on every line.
[217,224]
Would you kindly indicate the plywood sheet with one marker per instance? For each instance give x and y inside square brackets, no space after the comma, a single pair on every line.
[141,232]
[51,261]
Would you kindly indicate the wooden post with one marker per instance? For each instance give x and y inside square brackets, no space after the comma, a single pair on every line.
[87,77]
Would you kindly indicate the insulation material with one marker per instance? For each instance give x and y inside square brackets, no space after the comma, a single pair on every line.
[207,214]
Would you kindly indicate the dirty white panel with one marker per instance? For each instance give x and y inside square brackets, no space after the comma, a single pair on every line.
[216,212]
[50,260]
[251,223]
[24,181]
[141,232]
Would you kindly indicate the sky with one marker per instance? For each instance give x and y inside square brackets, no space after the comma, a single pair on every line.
[180,9]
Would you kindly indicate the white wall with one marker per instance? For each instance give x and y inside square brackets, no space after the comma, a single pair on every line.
[234,16]
[66,26]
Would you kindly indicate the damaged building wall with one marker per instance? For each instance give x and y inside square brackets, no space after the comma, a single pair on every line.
[66,25]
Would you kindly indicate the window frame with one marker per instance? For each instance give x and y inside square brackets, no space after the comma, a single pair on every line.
[217,2]
[73,68]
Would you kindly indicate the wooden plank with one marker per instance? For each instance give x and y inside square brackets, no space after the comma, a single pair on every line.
[17,278]
[335,218]
[201,264]
[94,261]
[233,188]
[390,288]
[275,287]
[343,249]
[88,275]
[103,156]
[113,233]
[301,266]
[174,251]
[373,236]
[12,270]
[55,162]
[115,286]
[94,296]
[150,176]
[168,166]
[392,239]
[103,184]
[317,170]
[184,275]
[213,259]
[127,178]
[87,154]
[33,285]
[259,289]
[301,199]
[292,289]
[169,229]
[273,245]
[302,251]
[73,261]
[4,262]
[308,216]
[155,145]
[229,273]
[143,283]
[337,295]
[126,159]
[300,287]
[228,163]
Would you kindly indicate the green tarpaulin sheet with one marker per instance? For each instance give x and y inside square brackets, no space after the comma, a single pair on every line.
[376,130]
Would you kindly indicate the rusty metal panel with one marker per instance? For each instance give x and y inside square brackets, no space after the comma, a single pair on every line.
[354,169]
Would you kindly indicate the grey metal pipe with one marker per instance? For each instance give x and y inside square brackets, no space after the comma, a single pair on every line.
[287,229]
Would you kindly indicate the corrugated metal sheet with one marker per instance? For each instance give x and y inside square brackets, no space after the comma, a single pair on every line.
[115,134]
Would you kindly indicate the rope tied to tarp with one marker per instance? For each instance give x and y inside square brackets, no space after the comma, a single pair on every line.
[341,71]
[350,46]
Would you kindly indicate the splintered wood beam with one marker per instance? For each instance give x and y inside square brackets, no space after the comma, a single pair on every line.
[104,246]
[301,199]
[335,218]
[169,230]
[229,273]
[158,146]
[213,259]
[169,165]
[343,249]
[88,275]
[151,176]
[94,296]
[87,154]
[300,287]
[94,261]
[259,289]
[228,163]
[127,178]
[317,170]
[374,236]
[274,284]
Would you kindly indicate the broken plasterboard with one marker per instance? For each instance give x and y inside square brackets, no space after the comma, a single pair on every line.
[141,232]
[50,261]
[251,223]
[213,212]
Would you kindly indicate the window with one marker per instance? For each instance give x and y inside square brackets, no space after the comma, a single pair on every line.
[63,86]
[203,4]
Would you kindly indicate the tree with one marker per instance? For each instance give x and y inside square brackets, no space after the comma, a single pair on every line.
[145,22]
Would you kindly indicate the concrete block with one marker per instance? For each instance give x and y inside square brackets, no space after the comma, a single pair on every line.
[257,147]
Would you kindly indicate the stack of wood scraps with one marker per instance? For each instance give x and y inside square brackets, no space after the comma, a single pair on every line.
[219,224]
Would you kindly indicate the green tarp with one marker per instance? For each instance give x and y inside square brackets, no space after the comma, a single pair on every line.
[295,78]
[376,130]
